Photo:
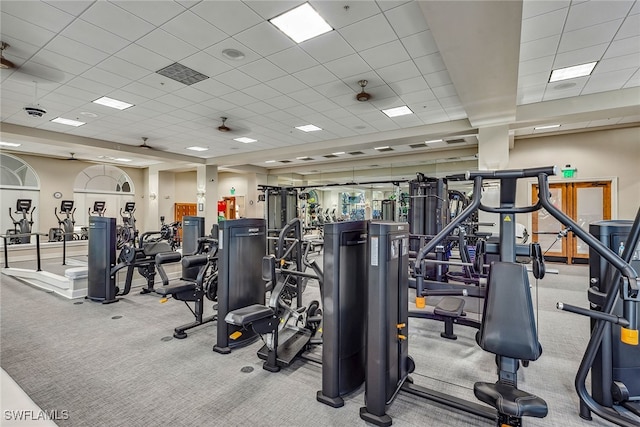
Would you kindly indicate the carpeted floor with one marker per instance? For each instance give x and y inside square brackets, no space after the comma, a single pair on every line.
[113,365]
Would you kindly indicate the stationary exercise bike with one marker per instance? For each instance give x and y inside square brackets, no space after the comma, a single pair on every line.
[23,225]
[66,225]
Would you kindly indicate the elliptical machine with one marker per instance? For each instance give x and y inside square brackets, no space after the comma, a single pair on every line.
[127,232]
[98,210]
[66,225]
[23,225]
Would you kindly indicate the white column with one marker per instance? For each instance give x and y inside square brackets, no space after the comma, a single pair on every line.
[207,191]
[151,215]
[493,147]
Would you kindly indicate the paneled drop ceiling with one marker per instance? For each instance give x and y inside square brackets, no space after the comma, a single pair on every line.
[458,65]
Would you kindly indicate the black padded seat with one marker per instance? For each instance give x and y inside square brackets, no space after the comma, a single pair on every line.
[154,248]
[246,315]
[449,306]
[510,400]
[175,289]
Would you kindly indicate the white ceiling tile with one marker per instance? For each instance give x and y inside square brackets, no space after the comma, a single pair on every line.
[143,90]
[564,89]
[94,36]
[373,79]
[630,27]
[435,116]
[591,13]
[420,44]
[579,56]
[368,33]
[73,49]
[385,103]
[261,91]
[270,9]
[161,82]
[618,63]
[608,81]
[327,47]
[264,39]
[231,17]
[143,57]
[74,7]
[105,77]
[362,108]
[398,72]
[192,94]
[347,66]
[261,107]
[45,15]
[430,63]
[262,70]
[536,65]
[344,100]
[335,88]
[194,30]
[167,45]
[408,86]
[219,104]
[539,48]
[338,17]
[532,8]
[590,36]
[456,113]
[236,79]
[444,91]
[206,64]
[623,47]
[25,31]
[299,111]
[235,115]
[385,54]
[158,14]
[212,87]
[542,26]
[418,97]
[293,59]
[534,79]
[407,19]
[286,84]
[117,20]
[239,98]
[379,92]
[306,96]
[531,94]
[231,43]
[322,105]
[88,85]
[123,68]
[72,92]
[62,63]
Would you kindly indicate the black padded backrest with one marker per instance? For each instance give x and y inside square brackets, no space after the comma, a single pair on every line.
[508,324]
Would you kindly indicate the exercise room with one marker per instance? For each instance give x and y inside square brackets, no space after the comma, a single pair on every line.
[320,213]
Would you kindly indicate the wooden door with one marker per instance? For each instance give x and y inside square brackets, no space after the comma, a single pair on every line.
[181,210]
[584,202]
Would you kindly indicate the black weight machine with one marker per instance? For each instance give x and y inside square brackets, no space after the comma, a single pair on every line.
[170,233]
[280,317]
[66,225]
[199,279]
[23,226]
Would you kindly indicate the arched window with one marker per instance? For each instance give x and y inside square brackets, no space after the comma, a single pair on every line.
[103,179]
[16,174]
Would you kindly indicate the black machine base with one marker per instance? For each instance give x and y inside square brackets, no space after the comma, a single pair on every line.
[235,344]
[180,332]
[290,349]
[334,402]
[379,420]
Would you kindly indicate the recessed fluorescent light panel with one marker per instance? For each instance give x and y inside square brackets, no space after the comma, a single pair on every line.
[245,140]
[195,148]
[9,144]
[398,111]
[68,122]
[308,128]
[270,161]
[433,141]
[113,103]
[572,72]
[121,159]
[337,153]
[386,147]
[546,127]
[302,23]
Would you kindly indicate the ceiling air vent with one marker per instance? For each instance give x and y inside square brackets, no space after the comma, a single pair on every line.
[384,149]
[285,161]
[356,153]
[330,156]
[420,145]
[306,159]
[182,74]
[455,141]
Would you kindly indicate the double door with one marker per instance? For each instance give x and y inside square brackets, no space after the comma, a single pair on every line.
[584,202]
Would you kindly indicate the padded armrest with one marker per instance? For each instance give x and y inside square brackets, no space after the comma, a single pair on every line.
[194,260]
[247,315]
[449,306]
[167,257]
[175,289]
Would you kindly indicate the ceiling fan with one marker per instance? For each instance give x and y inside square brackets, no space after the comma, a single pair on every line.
[363,96]
[144,144]
[73,157]
[28,70]
[235,130]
